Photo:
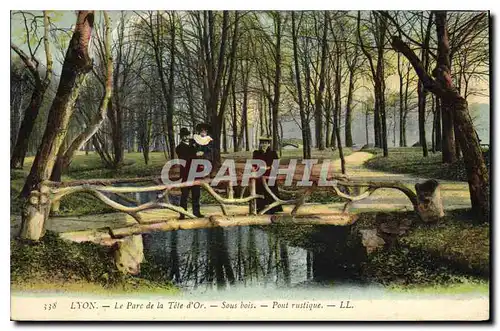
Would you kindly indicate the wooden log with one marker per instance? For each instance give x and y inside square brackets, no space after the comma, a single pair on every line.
[107,236]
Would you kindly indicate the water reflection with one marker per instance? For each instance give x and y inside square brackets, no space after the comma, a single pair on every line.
[223,257]
[220,258]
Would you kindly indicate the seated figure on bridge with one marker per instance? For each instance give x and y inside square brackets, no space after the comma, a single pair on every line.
[266,154]
[186,150]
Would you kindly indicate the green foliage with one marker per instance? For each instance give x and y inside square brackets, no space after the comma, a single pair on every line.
[408,267]
[454,251]
[457,240]
[82,204]
[53,259]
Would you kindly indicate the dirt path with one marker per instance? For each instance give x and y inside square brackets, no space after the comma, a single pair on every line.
[455,193]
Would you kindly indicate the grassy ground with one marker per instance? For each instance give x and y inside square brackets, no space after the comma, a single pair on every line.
[409,160]
[54,264]
[455,252]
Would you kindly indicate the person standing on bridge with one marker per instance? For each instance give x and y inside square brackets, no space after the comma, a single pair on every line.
[266,154]
[204,143]
[187,151]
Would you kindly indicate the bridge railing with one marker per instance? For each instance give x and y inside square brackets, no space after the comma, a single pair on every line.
[49,194]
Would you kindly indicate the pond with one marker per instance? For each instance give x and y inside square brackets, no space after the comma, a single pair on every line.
[250,261]
[254,262]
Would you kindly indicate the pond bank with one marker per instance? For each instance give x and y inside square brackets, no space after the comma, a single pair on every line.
[452,257]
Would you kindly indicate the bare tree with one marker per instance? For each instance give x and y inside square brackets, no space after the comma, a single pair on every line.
[41,85]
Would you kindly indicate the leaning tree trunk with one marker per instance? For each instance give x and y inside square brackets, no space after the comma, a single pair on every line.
[64,156]
[30,115]
[442,86]
[77,64]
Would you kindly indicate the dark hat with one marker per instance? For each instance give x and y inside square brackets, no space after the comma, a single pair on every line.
[203,126]
[264,139]
[184,132]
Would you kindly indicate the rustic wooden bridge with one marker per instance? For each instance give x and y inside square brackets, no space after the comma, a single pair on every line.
[160,214]
[49,194]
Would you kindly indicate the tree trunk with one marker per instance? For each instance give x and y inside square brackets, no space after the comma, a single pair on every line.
[236,145]
[348,111]
[448,145]
[306,149]
[277,83]
[77,64]
[31,113]
[421,118]
[438,129]
[367,117]
[319,102]
[65,155]
[155,35]
[477,173]
[452,102]
[328,115]
[401,101]
[433,135]
[458,150]
[244,120]
[338,106]
[170,95]
[224,136]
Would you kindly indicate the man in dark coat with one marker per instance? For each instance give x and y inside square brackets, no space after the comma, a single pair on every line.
[186,150]
[266,154]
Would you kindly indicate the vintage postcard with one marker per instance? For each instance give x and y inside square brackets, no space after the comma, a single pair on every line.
[250,165]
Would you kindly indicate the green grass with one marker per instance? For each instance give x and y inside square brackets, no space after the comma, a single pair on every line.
[455,239]
[409,160]
[465,286]
[454,251]
[54,264]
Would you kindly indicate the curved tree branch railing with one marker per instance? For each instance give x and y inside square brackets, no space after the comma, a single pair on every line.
[49,194]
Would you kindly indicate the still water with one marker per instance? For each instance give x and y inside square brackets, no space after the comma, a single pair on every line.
[253,262]
[307,262]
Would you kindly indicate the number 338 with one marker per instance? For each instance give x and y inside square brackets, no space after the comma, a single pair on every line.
[50,306]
